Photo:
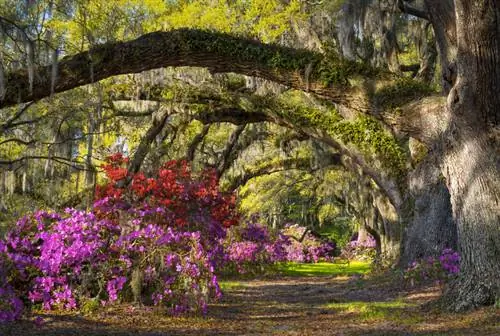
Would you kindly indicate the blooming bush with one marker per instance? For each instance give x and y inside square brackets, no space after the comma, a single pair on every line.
[157,242]
[252,248]
[360,249]
[309,249]
[446,266]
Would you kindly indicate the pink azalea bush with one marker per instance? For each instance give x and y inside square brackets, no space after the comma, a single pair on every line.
[253,247]
[360,248]
[439,269]
[310,249]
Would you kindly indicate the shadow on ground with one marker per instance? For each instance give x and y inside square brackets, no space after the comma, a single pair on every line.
[287,306]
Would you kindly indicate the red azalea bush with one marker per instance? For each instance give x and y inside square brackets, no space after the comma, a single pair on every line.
[150,239]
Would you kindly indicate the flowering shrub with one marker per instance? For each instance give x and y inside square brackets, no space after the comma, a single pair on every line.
[447,265]
[253,247]
[157,242]
[360,249]
[10,305]
[310,249]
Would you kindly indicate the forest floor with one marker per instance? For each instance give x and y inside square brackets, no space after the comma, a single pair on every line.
[298,303]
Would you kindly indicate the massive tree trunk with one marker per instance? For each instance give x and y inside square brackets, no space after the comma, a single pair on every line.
[471,162]
[431,227]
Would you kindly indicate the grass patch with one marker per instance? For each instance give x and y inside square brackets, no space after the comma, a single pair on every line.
[364,311]
[229,285]
[323,269]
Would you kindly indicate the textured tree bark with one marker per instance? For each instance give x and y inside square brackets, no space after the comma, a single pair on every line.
[442,15]
[183,47]
[190,153]
[431,227]
[157,126]
[224,161]
[388,226]
[471,162]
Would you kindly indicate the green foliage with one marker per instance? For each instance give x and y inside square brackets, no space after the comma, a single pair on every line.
[266,20]
[369,136]
[401,92]
[338,229]
[335,69]
[364,132]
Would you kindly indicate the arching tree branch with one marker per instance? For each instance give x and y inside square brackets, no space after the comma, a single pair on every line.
[405,7]
[279,166]
[187,47]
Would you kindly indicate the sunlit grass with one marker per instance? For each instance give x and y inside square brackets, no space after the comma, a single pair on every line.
[323,269]
[230,285]
[396,310]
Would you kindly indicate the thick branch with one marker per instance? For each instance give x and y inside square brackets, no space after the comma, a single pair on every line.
[423,120]
[143,148]
[215,51]
[275,167]
[196,141]
[409,9]
[225,162]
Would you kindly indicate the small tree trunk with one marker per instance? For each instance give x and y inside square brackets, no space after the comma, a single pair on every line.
[388,226]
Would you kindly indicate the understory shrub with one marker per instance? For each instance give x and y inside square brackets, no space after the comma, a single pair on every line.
[253,247]
[362,249]
[306,248]
[439,269]
[157,242]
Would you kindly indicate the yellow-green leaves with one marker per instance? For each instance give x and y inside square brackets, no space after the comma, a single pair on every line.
[266,20]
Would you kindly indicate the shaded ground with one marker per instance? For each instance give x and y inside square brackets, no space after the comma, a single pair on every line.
[301,305]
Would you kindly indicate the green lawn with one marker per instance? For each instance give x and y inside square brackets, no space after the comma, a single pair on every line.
[226,285]
[395,310]
[323,269]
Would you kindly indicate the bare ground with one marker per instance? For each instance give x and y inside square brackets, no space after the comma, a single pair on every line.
[285,306]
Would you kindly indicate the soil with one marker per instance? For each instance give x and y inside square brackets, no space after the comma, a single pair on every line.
[284,306]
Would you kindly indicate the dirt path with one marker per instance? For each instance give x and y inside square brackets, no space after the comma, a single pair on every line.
[285,306]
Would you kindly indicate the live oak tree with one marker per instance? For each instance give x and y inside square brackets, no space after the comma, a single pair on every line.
[460,127]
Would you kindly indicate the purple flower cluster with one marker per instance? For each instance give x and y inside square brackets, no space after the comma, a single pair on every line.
[450,261]
[360,248]
[253,246]
[243,251]
[255,232]
[368,242]
[308,248]
[441,268]
[60,260]
[11,306]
